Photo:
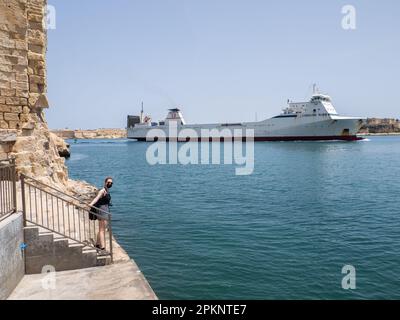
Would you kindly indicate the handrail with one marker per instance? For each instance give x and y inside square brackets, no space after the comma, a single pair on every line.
[8,188]
[46,207]
[64,194]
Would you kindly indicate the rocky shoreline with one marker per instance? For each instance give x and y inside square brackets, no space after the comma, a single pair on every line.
[375,126]
[91,134]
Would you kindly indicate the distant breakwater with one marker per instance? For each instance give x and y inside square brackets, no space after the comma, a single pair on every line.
[381,126]
[91,134]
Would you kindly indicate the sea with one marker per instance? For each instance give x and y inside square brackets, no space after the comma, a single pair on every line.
[314,220]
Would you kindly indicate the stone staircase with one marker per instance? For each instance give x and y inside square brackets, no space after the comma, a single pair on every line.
[45,248]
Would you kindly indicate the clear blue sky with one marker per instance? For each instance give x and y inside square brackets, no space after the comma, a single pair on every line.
[220,60]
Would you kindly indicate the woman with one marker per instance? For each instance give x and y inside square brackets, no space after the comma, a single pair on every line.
[102,201]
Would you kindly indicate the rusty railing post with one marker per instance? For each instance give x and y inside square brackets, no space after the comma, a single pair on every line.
[14,182]
[23,198]
[110,235]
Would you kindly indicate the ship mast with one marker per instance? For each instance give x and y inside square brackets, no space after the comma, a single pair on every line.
[315,89]
[141,114]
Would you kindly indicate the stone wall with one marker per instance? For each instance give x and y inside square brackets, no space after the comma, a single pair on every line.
[23,42]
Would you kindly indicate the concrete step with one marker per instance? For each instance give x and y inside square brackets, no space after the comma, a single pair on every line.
[45,248]
[89,249]
[103,261]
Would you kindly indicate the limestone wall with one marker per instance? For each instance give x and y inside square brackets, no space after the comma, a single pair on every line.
[23,41]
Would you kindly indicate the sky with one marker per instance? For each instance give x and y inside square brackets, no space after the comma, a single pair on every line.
[218,60]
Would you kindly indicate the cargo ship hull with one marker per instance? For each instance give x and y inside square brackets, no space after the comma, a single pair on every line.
[314,120]
[276,129]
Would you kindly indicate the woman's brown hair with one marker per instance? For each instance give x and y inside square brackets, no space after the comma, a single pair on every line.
[108,178]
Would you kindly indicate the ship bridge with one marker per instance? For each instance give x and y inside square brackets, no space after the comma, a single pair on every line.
[319,104]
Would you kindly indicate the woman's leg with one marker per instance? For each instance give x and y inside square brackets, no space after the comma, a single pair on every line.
[102,232]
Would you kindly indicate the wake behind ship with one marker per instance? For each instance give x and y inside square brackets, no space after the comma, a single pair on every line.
[314,120]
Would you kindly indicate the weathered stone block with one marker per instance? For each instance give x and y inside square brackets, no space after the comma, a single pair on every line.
[8,92]
[40,72]
[24,117]
[5,68]
[21,77]
[35,17]
[36,25]
[18,36]
[19,53]
[22,93]
[4,108]
[12,100]
[21,45]
[36,88]
[37,79]
[24,86]
[30,125]
[37,38]
[35,56]
[23,61]
[36,48]
[5,84]
[20,68]
[3,124]
[3,60]
[16,109]
[11,117]
[7,76]
[11,59]
[35,64]
[14,124]
[7,43]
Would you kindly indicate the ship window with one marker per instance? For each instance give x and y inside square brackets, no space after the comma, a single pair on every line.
[315,110]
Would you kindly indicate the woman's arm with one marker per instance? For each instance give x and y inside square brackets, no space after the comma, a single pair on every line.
[99,195]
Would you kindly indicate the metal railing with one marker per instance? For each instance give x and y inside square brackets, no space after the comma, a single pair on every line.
[8,189]
[63,214]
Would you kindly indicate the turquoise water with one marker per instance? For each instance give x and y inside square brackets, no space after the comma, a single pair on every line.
[284,232]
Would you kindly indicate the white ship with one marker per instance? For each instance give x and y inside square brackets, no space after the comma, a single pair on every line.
[314,120]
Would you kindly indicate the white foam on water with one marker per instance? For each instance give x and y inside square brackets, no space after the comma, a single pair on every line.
[77,156]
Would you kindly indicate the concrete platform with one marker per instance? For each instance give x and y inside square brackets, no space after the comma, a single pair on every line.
[118,281]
